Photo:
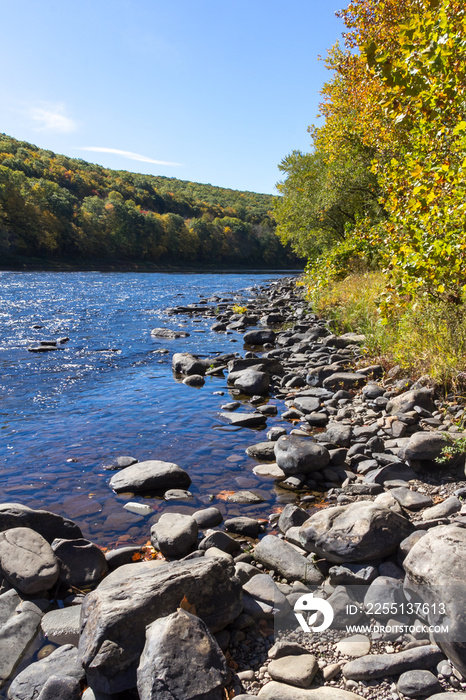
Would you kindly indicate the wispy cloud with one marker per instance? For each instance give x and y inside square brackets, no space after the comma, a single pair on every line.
[127,154]
[52,118]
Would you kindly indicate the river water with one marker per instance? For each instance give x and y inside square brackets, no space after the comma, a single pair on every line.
[109,391]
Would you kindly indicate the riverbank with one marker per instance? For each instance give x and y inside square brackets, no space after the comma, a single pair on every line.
[349,437]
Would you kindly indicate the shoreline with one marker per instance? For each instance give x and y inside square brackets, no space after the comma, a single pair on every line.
[369,448]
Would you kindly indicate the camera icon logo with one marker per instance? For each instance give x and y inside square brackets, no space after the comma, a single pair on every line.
[318,606]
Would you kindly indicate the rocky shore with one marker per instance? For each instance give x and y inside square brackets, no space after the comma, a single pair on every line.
[355,589]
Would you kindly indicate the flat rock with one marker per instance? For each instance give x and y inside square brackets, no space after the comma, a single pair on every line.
[344,380]
[244,420]
[271,470]
[115,615]
[280,556]
[443,510]
[294,670]
[62,626]
[168,333]
[262,450]
[49,525]
[249,527]
[412,500]
[181,659]
[282,691]
[61,662]
[81,562]
[245,497]
[296,455]
[359,532]
[376,666]
[120,462]
[307,404]
[357,645]
[389,472]
[151,475]
[27,560]
[174,534]
[19,622]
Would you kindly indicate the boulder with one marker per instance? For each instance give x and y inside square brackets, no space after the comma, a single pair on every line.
[81,562]
[307,404]
[403,403]
[19,622]
[115,615]
[185,363]
[152,475]
[181,659]
[295,455]
[339,434]
[248,527]
[262,450]
[49,525]
[344,380]
[208,517]
[245,420]
[62,662]
[376,666]
[27,560]
[291,516]
[434,569]
[253,382]
[259,337]
[62,626]
[280,556]
[174,534]
[425,446]
[359,532]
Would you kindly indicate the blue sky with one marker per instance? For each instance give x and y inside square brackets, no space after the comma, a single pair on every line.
[212,91]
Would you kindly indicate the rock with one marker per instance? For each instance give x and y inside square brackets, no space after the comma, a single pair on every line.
[152,475]
[27,560]
[271,319]
[291,516]
[60,688]
[418,684]
[19,622]
[185,363]
[355,533]
[244,497]
[412,500]
[447,696]
[443,510]
[175,534]
[208,517]
[434,570]
[344,380]
[339,434]
[168,333]
[49,525]
[389,472]
[264,599]
[352,574]
[62,626]
[138,508]
[119,463]
[408,543]
[285,648]
[403,403]
[425,446]
[259,337]
[307,404]
[384,591]
[262,450]
[357,645]
[220,540]
[276,432]
[253,382]
[247,527]
[121,555]
[115,615]
[380,665]
[245,571]
[62,662]
[280,556]
[245,420]
[81,562]
[282,691]
[296,455]
[346,609]
[181,659]
[294,670]
[271,470]
[194,380]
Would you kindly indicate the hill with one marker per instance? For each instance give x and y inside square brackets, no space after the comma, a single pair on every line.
[59,209]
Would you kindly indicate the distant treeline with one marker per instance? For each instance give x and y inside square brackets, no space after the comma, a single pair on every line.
[64,209]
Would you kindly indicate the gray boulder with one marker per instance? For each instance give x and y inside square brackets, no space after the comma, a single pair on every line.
[181,659]
[418,684]
[174,534]
[49,525]
[262,450]
[307,404]
[259,337]
[434,569]
[450,505]
[19,622]
[248,527]
[60,688]
[115,615]
[62,662]
[81,562]
[296,455]
[245,420]
[185,363]
[208,517]
[291,516]
[253,382]
[403,403]
[376,666]
[27,560]
[344,380]
[425,446]
[152,475]
[359,532]
[280,556]
[339,434]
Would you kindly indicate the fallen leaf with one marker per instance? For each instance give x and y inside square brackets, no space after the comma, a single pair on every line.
[186,605]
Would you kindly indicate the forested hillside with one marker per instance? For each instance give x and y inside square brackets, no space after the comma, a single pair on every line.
[378,205]
[56,208]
